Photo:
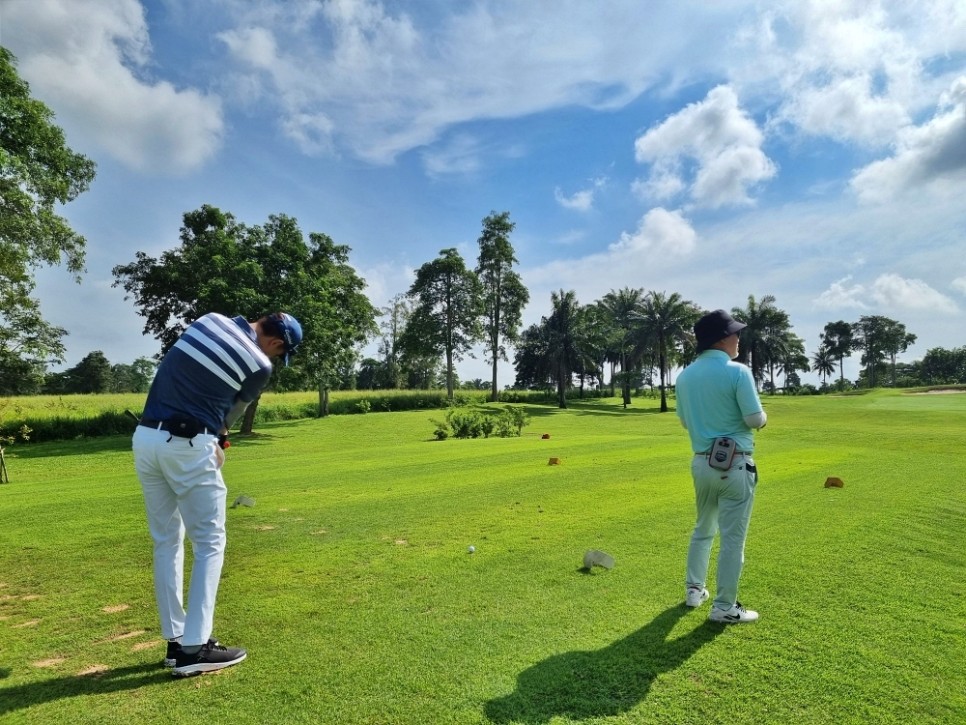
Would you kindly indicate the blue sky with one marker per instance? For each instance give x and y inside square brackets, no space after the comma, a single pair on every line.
[815,151]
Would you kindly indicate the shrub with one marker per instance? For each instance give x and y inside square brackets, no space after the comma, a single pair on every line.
[462,423]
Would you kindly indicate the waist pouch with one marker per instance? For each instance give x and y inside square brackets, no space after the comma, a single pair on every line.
[183,426]
[722,454]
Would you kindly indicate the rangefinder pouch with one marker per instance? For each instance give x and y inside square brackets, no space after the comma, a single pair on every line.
[722,453]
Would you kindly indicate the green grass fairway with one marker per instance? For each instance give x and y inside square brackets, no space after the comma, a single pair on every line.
[351,585]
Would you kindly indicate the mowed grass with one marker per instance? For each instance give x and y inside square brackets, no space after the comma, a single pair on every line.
[351,585]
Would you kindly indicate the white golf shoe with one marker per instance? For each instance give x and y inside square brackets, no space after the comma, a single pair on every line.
[736,615]
[695,596]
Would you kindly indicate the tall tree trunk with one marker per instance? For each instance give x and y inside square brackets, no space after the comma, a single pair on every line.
[449,373]
[662,363]
[323,400]
[494,393]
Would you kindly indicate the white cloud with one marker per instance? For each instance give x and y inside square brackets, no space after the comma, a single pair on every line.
[840,295]
[579,201]
[94,67]
[395,77]
[582,200]
[660,232]
[959,284]
[718,135]
[895,292]
[931,154]
[888,292]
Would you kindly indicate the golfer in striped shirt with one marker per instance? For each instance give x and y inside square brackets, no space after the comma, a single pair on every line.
[204,383]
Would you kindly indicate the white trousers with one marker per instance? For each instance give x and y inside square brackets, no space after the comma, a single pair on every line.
[184,492]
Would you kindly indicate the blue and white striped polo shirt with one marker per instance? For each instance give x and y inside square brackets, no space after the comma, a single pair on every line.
[214,363]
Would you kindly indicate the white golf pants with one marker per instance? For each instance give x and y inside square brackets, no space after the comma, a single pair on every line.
[723,500]
[184,492]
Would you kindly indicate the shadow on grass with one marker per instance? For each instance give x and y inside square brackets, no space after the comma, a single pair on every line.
[21,697]
[595,408]
[601,683]
[107,444]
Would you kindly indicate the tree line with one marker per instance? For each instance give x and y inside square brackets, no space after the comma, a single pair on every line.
[629,338]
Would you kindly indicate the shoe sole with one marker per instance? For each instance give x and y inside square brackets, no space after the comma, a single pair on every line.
[732,620]
[202,667]
[169,663]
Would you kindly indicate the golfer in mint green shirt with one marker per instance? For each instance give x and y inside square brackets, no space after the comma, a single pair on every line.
[716,398]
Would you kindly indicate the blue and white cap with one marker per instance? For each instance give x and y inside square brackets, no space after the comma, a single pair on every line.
[290,330]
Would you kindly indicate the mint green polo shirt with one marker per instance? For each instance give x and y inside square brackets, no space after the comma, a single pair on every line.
[714,394]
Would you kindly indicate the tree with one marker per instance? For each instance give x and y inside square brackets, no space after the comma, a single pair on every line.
[624,307]
[839,340]
[446,316]
[395,317]
[667,320]
[761,341]
[793,359]
[27,345]
[133,378]
[564,341]
[873,334]
[944,367]
[504,295]
[224,266]
[896,340]
[532,358]
[823,363]
[38,171]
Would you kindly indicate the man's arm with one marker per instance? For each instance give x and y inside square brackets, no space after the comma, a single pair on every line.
[234,413]
[756,420]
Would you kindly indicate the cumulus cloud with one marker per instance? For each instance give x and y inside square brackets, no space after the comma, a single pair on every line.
[931,154]
[841,295]
[889,292]
[582,200]
[659,232]
[94,67]
[720,137]
[893,291]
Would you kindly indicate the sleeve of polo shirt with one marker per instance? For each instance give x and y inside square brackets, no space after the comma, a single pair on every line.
[253,385]
[748,401]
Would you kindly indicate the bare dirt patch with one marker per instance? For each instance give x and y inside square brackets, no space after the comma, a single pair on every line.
[93,670]
[115,608]
[28,623]
[52,662]
[265,527]
[141,646]
[125,635]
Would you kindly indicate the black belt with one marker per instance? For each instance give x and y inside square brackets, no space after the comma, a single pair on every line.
[169,427]
[737,453]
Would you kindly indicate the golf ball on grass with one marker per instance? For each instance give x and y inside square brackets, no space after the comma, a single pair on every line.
[470,549]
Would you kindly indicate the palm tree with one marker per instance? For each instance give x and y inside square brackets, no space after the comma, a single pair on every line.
[838,337]
[762,340]
[665,322]
[564,338]
[823,362]
[794,357]
[623,307]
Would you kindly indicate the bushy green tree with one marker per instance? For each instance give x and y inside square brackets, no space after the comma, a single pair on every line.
[447,307]
[38,172]
[227,267]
